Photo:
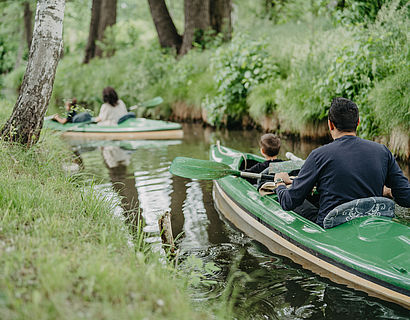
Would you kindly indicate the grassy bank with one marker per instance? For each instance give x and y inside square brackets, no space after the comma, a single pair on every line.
[63,255]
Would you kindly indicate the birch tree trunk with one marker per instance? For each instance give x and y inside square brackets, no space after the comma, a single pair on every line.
[26,120]
[167,32]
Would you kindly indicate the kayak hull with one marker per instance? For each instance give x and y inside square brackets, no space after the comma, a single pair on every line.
[131,129]
[280,239]
[144,135]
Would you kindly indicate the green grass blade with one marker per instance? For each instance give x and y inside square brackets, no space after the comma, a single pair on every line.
[200,169]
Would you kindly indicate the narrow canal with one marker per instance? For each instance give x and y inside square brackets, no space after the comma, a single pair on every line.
[268,286]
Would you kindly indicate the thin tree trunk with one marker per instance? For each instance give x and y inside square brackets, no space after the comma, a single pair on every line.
[93,34]
[220,16]
[20,50]
[197,21]
[167,33]
[26,120]
[108,17]
[28,27]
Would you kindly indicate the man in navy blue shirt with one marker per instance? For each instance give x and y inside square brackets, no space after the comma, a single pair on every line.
[346,169]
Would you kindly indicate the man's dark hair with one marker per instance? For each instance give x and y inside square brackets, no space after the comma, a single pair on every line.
[344,114]
[270,144]
[110,96]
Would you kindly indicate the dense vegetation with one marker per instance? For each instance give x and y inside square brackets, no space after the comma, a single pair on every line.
[284,64]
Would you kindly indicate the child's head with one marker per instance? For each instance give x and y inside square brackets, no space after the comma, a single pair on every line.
[270,145]
[70,103]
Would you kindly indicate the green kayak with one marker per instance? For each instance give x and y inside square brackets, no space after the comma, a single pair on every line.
[370,253]
[131,129]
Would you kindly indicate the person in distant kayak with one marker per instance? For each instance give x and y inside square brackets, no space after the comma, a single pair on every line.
[71,108]
[112,109]
[346,169]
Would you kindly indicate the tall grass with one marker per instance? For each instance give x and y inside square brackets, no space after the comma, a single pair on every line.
[64,255]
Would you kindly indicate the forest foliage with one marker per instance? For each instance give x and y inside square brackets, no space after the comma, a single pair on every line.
[287,59]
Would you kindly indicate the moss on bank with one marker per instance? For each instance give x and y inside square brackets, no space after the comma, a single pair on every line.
[63,255]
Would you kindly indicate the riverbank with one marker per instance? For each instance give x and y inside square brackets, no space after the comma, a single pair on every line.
[279,74]
[65,256]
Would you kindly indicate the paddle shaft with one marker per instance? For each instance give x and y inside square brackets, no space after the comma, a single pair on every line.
[253,175]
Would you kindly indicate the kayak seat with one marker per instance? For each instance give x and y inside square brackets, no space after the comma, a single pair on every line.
[373,206]
[126,116]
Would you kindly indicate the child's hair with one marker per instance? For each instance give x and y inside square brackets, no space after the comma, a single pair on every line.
[73,102]
[270,144]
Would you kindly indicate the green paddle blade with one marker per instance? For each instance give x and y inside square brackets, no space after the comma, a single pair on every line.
[200,169]
[152,103]
[149,103]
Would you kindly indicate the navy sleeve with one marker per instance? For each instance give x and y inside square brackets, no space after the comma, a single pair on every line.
[400,186]
[301,187]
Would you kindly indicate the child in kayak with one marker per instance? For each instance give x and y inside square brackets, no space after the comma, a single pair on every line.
[70,107]
[269,148]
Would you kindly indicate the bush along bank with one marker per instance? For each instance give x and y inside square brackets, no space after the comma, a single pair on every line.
[279,77]
[64,255]
[288,86]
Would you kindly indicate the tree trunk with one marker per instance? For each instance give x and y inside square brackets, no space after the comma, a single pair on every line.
[28,28]
[197,21]
[93,35]
[167,33]
[220,16]
[108,17]
[26,120]
[20,50]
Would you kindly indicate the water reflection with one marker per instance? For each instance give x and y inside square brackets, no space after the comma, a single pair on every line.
[266,286]
[117,161]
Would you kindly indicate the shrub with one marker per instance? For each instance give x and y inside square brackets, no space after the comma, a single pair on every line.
[376,52]
[390,99]
[237,68]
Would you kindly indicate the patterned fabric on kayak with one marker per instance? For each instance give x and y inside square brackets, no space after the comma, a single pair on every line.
[373,206]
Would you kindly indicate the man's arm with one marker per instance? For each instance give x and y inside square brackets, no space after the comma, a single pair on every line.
[399,184]
[301,187]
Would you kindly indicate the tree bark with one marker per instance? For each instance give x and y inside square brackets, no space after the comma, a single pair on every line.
[220,16]
[167,33]
[108,17]
[28,28]
[93,34]
[26,120]
[197,21]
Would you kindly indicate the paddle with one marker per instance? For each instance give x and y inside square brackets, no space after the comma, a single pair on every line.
[149,103]
[209,170]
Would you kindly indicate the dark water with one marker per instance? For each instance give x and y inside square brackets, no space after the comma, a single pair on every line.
[263,285]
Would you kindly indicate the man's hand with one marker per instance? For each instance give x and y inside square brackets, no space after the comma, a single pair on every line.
[284,176]
[387,192]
